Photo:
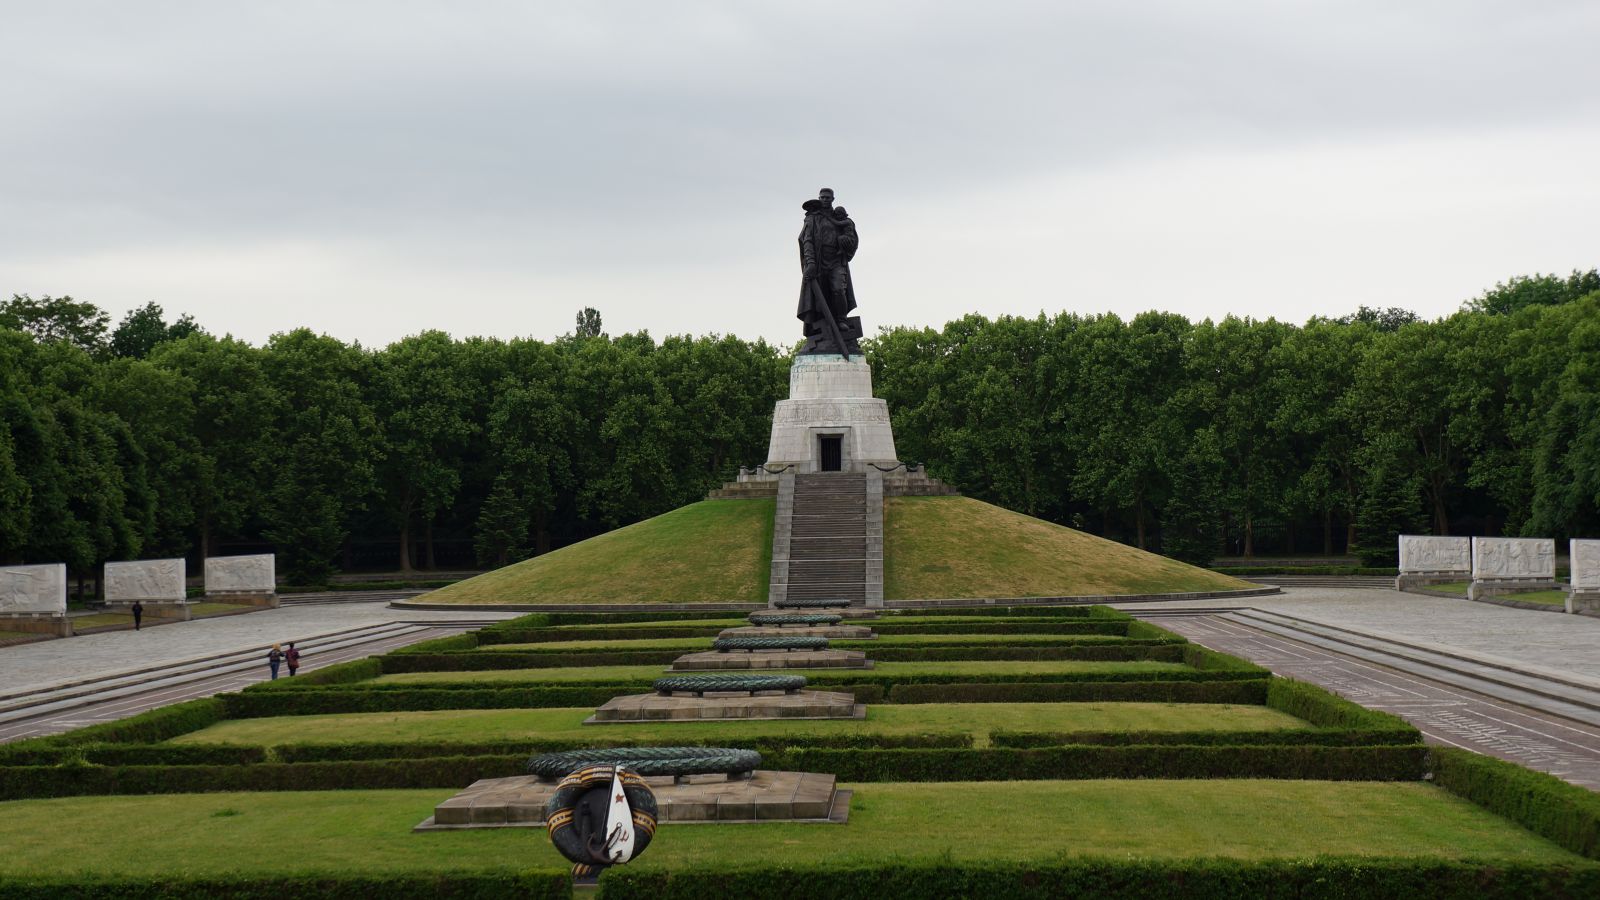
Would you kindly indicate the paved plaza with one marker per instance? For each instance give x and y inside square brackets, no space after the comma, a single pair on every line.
[1521,685]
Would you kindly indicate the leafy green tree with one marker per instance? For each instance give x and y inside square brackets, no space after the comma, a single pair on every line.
[588,324]
[322,471]
[1389,501]
[420,399]
[1524,291]
[1381,319]
[1190,528]
[502,529]
[142,329]
[57,319]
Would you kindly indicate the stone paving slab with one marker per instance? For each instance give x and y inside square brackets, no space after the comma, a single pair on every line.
[48,663]
[1530,639]
[765,796]
[713,660]
[840,632]
[656,707]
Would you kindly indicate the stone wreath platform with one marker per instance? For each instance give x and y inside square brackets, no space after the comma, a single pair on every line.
[519,801]
[727,705]
[718,660]
[841,632]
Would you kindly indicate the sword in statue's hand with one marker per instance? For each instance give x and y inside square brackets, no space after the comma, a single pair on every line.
[827,315]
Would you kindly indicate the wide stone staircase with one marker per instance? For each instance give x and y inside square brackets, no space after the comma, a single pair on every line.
[834,536]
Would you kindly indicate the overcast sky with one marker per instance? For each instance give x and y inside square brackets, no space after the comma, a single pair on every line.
[374,169]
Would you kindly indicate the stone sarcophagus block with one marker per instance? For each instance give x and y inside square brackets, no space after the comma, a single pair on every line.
[1507,565]
[146,580]
[1585,595]
[242,574]
[33,590]
[1514,559]
[1433,559]
[1430,553]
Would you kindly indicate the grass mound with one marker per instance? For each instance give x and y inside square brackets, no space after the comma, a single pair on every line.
[706,552]
[947,547]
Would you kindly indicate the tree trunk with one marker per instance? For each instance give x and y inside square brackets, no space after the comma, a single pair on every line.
[1288,538]
[541,533]
[1249,536]
[1349,535]
[1327,531]
[427,535]
[205,538]
[1441,520]
[405,545]
[1138,518]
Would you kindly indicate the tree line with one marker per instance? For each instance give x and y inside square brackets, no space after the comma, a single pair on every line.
[156,438]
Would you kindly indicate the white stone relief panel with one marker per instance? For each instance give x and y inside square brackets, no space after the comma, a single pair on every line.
[1585,565]
[145,579]
[34,589]
[253,574]
[1432,553]
[1513,558]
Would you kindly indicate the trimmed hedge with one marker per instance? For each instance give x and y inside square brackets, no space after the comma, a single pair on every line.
[619,633]
[845,763]
[1327,878]
[150,727]
[485,660]
[1258,571]
[1327,737]
[490,885]
[131,754]
[356,670]
[19,782]
[1116,628]
[297,753]
[1083,652]
[455,642]
[1563,813]
[1208,660]
[1319,763]
[1251,691]
[1078,611]
[409,698]
[1328,710]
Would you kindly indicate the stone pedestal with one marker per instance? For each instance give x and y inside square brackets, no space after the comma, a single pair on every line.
[157,585]
[714,705]
[830,397]
[715,660]
[519,801]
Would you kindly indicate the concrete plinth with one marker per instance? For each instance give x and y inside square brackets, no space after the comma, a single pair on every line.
[715,660]
[519,801]
[657,707]
[1584,603]
[841,632]
[1478,590]
[830,396]
[266,601]
[58,626]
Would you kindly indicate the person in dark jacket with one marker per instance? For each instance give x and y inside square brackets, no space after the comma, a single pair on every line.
[138,614]
[292,657]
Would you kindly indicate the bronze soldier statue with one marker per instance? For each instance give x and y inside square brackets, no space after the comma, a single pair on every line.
[828,242]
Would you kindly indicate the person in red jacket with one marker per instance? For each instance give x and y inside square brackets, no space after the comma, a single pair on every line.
[291,656]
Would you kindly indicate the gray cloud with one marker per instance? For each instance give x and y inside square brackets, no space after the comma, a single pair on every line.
[372,169]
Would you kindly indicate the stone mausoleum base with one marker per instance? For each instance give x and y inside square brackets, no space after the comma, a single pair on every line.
[58,626]
[838,632]
[1584,602]
[728,705]
[519,802]
[716,660]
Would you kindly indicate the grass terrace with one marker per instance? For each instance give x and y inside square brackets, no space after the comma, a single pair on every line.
[1173,756]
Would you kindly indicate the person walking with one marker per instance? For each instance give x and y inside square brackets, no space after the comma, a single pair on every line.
[274,658]
[138,614]
[292,657]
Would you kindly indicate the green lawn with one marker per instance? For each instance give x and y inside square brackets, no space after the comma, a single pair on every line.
[647,673]
[97,620]
[369,831]
[711,551]
[888,640]
[940,547]
[978,719]
[1552,598]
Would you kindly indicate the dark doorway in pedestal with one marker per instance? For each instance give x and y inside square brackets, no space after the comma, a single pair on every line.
[832,452]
